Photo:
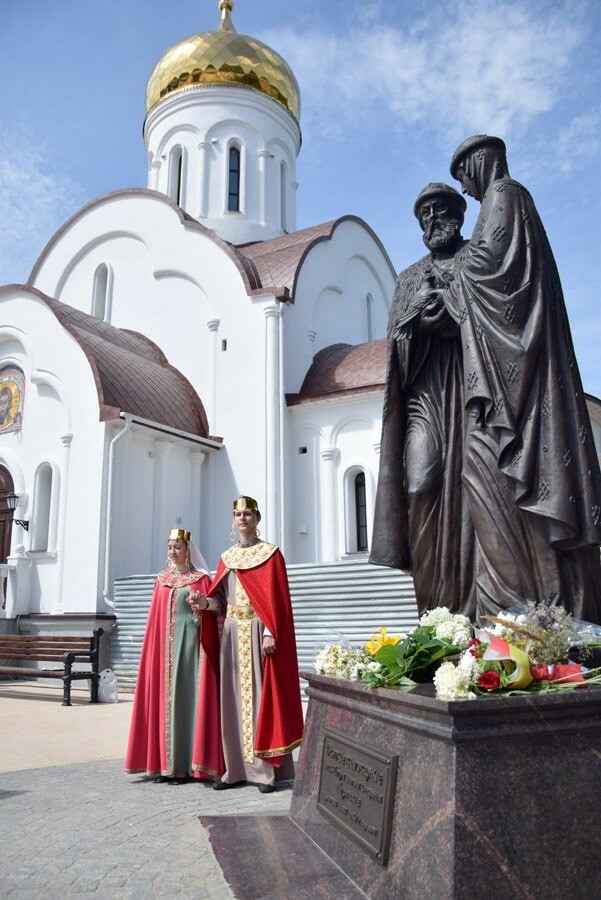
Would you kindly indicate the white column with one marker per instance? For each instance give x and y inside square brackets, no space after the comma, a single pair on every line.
[203,200]
[61,528]
[197,504]
[329,504]
[153,174]
[213,326]
[292,207]
[263,156]
[272,423]
[159,525]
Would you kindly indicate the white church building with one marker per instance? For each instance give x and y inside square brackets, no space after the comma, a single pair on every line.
[178,345]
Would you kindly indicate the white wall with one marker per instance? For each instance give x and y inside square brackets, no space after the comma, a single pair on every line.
[341,438]
[331,297]
[60,429]
[204,123]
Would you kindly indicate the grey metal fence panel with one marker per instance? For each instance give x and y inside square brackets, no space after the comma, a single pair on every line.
[346,600]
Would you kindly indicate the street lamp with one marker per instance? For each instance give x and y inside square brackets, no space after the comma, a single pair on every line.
[11,501]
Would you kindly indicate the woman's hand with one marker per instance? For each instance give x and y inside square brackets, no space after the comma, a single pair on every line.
[198,602]
[268,646]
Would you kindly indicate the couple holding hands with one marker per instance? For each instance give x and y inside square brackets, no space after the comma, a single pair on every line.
[217,696]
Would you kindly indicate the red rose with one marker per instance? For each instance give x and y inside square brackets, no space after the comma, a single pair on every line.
[540,673]
[476,647]
[489,681]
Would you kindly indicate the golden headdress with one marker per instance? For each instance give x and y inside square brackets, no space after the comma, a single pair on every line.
[245,503]
[178,534]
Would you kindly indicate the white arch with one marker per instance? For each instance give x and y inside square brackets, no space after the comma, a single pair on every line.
[10,461]
[174,131]
[91,245]
[36,376]
[350,420]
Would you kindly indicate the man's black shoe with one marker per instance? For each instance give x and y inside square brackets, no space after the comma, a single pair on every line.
[224,785]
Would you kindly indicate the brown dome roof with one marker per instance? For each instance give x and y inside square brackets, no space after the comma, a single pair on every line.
[132,374]
[344,368]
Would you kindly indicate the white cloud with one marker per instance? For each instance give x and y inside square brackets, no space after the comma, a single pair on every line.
[578,142]
[35,199]
[491,65]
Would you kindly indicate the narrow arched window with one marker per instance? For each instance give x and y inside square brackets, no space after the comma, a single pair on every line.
[369,314]
[361,511]
[100,292]
[283,195]
[176,164]
[42,498]
[233,197]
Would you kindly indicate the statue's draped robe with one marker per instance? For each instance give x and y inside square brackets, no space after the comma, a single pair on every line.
[421,521]
[530,468]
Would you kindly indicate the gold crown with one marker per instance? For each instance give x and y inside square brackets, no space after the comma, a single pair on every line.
[245,503]
[178,534]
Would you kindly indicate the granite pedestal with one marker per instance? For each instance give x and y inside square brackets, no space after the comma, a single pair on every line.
[489,798]
[493,797]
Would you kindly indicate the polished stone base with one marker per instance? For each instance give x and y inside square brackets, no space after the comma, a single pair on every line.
[493,798]
[269,857]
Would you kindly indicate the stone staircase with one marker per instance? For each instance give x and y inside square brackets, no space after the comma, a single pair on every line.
[332,602]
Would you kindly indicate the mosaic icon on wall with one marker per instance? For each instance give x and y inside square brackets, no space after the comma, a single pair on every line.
[12,398]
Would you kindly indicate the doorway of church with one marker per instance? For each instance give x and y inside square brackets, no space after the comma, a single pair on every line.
[6,524]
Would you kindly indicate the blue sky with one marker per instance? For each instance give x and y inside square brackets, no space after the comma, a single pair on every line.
[388,91]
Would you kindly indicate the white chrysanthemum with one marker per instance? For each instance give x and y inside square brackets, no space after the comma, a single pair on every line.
[436,616]
[469,664]
[462,636]
[451,682]
[373,666]
[446,631]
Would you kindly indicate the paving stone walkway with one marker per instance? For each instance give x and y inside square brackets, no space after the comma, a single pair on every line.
[90,831]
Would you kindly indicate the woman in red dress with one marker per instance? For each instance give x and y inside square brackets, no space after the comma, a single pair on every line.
[175,731]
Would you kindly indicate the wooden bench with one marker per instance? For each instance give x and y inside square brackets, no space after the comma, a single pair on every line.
[56,648]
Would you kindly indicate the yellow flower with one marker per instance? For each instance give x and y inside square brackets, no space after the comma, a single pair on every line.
[379,640]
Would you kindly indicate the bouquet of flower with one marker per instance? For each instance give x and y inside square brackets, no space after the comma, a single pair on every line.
[524,652]
[518,651]
[342,661]
[404,660]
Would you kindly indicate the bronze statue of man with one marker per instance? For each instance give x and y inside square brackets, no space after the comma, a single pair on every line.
[421,521]
[530,466]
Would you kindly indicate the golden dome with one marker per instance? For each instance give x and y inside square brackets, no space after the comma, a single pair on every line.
[223,57]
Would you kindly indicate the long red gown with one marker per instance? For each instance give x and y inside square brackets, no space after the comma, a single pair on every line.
[175,727]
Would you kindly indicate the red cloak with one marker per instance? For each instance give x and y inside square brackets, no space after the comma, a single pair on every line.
[280,720]
[148,747]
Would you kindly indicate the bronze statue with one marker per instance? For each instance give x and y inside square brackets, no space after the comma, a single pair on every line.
[530,467]
[422,522]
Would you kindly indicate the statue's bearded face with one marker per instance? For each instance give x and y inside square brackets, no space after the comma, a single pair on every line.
[440,224]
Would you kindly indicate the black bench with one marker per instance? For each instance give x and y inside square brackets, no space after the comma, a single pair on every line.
[56,648]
